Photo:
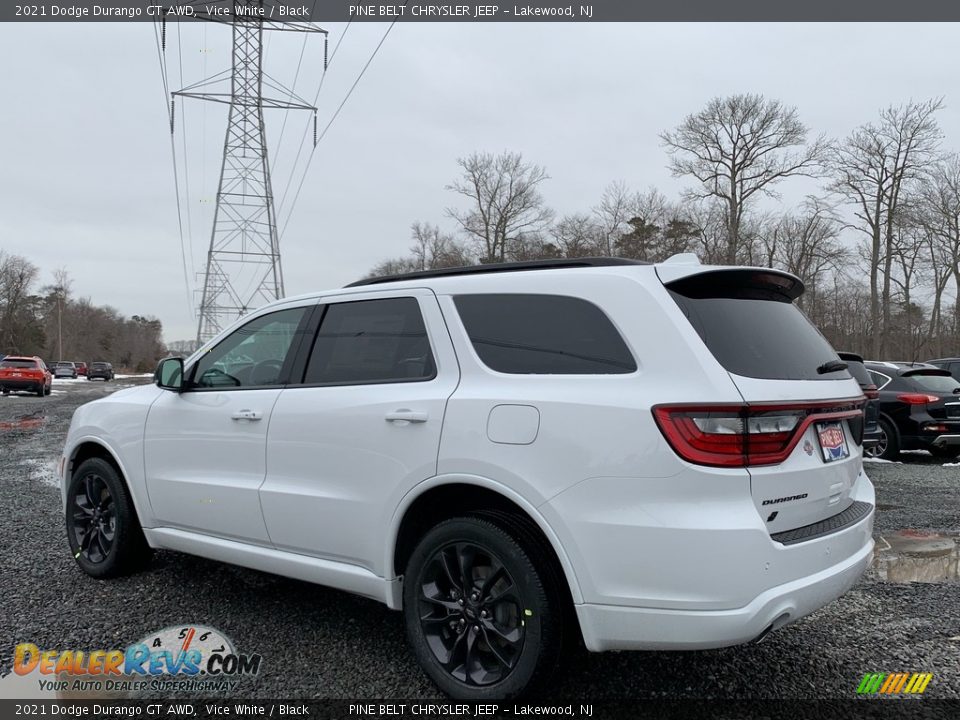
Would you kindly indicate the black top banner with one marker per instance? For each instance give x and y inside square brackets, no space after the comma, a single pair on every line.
[296,14]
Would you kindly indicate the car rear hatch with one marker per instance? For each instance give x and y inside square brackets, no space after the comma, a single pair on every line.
[938,392]
[799,429]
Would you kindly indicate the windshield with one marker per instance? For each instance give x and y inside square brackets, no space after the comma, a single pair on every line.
[754,331]
[18,363]
[935,383]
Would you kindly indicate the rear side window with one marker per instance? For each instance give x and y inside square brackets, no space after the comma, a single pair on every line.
[753,328]
[22,364]
[544,335]
[934,383]
[371,341]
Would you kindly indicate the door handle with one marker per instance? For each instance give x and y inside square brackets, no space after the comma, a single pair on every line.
[247,415]
[409,416]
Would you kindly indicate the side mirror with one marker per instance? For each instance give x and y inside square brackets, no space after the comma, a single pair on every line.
[169,374]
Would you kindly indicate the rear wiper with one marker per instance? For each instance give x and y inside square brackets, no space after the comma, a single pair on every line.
[832,366]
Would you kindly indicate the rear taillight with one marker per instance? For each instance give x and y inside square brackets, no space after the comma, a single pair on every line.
[917,398]
[871,392]
[743,435]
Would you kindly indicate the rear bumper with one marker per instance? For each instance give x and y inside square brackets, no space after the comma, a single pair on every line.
[946,441]
[686,562]
[610,627]
[21,384]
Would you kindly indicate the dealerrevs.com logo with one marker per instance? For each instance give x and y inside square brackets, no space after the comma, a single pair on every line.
[190,657]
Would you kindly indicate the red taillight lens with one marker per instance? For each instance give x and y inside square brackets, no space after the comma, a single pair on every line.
[917,398]
[871,392]
[742,435]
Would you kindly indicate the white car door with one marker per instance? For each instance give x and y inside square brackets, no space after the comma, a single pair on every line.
[204,448]
[362,429]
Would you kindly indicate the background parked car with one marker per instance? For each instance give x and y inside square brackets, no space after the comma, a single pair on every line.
[65,370]
[919,410]
[24,373]
[952,365]
[871,411]
[81,368]
[102,370]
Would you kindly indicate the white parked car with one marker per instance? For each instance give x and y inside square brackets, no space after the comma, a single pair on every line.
[517,457]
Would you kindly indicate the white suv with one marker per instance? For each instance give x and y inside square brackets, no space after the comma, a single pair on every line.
[517,457]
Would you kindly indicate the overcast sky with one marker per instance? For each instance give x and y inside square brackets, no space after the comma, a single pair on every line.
[86,179]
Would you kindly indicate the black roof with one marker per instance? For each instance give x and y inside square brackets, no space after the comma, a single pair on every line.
[551,264]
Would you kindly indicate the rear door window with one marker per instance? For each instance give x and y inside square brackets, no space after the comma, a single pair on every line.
[371,341]
[527,334]
[752,327]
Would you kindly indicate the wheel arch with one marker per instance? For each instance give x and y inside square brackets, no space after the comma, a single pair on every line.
[94,448]
[440,498]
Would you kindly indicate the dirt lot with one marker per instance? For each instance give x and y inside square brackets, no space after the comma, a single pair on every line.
[903,616]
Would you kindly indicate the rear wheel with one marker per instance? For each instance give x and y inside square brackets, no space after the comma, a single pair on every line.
[481,611]
[40,391]
[102,527]
[888,446]
[950,452]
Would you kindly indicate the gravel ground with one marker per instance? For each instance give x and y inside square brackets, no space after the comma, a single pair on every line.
[319,643]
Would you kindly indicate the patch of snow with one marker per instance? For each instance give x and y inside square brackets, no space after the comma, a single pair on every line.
[881,460]
[44,471]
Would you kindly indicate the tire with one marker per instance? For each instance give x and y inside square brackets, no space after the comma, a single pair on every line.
[950,452]
[501,648]
[40,391]
[888,447]
[98,498]
[48,389]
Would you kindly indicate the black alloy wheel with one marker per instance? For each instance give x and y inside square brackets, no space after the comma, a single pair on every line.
[471,613]
[94,518]
[105,536]
[483,608]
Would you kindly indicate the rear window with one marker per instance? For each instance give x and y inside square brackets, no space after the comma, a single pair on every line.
[753,328]
[527,334]
[935,383]
[19,364]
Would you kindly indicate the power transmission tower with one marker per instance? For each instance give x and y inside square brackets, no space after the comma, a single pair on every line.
[243,262]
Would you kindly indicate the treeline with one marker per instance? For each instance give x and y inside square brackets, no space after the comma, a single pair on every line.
[878,246]
[50,322]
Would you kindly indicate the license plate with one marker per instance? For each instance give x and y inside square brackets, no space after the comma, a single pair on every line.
[833,441]
[18,374]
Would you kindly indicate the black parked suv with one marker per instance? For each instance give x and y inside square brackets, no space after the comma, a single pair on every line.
[871,411]
[102,370]
[919,410]
[950,364]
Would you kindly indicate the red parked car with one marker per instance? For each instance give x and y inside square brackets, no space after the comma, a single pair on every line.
[24,373]
[81,368]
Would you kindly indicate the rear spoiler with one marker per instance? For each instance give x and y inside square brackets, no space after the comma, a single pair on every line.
[711,281]
[910,372]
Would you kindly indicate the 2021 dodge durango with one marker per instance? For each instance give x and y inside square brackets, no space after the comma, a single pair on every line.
[517,457]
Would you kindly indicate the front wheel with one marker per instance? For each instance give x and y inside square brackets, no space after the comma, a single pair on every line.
[481,611]
[102,527]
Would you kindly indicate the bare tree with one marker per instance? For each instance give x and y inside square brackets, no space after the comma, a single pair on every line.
[616,207]
[739,147]
[434,248]
[873,169]
[806,244]
[17,275]
[578,235]
[505,203]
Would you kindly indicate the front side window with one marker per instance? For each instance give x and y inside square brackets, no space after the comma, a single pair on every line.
[371,341]
[252,355]
[526,334]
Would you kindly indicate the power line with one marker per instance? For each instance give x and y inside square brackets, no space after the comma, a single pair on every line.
[335,114]
[306,128]
[293,86]
[186,155]
[173,153]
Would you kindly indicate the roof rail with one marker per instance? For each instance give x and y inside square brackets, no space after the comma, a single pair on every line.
[551,264]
